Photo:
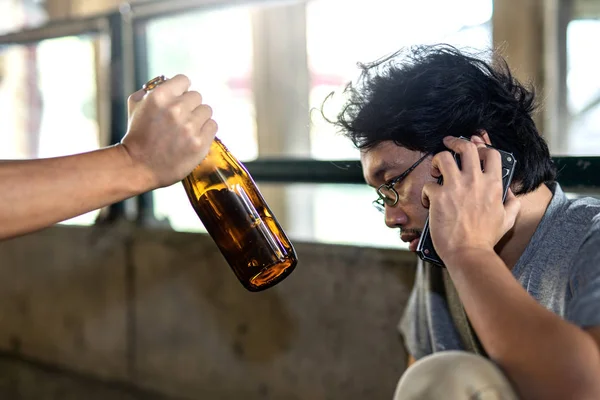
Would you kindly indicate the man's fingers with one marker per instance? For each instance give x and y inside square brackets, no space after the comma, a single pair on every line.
[490,158]
[469,155]
[170,89]
[134,99]
[186,104]
[208,132]
[446,165]
[429,189]
[192,99]
[201,114]
[512,206]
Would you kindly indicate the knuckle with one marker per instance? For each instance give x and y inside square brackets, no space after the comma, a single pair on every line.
[447,156]
[490,154]
[197,95]
[468,146]
[443,158]
[189,129]
[213,126]
[193,97]
[184,78]
[208,110]
[174,112]
[155,98]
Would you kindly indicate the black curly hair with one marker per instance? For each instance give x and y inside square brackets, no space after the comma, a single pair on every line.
[418,95]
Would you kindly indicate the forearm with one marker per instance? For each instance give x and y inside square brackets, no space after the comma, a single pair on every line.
[38,193]
[545,356]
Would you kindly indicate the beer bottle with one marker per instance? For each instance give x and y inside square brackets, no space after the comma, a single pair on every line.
[238,219]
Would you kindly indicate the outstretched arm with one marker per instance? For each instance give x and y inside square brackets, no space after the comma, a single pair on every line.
[170,132]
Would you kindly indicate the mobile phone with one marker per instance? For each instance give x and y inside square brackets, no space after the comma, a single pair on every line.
[425,249]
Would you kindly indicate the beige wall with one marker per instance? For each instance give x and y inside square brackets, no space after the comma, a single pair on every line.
[518,33]
[163,311]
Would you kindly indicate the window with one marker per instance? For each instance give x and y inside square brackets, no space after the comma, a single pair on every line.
[583,86]
[340,34]
[214,49]
[42,116]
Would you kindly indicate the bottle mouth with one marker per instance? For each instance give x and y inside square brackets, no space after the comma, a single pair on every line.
[272,274]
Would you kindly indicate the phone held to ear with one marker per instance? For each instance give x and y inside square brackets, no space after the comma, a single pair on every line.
[425,249]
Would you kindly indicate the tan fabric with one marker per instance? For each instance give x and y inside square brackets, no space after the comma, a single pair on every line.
[454,375]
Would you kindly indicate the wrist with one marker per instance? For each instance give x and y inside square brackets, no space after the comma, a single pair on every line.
[136,176]
[467,255]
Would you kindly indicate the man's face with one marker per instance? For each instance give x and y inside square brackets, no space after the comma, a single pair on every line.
[386,161]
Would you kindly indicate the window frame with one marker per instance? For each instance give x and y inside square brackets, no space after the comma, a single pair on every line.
[128,63]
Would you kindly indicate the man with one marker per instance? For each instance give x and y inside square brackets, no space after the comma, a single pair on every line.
[169,133]
[521,285]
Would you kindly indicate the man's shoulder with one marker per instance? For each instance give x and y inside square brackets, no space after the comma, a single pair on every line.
[568,218]
[583,210]
[569,223]
[583,215]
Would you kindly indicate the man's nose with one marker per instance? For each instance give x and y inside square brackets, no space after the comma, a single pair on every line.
[395,216]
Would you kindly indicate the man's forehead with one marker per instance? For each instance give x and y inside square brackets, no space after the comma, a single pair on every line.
[375,166]
[382,158]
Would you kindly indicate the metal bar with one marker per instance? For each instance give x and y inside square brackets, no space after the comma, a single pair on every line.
[305,171]
[578,173]
[161,8]
[588,9]
[575,173]
[145,201]
[56,30]
[121,79]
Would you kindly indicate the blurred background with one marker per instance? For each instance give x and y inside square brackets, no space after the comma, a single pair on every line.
[134,301]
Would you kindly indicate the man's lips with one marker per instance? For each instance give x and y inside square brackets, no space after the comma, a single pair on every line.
[412,240]
[408,237]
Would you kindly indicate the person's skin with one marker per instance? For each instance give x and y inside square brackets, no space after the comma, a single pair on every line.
[170,131]
[480,239]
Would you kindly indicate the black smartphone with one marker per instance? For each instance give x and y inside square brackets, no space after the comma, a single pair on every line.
[425,248]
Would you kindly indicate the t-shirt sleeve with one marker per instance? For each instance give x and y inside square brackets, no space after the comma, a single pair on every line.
[584,308]
[412,326]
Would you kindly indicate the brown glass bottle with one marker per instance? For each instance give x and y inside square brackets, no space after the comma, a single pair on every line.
[238,219]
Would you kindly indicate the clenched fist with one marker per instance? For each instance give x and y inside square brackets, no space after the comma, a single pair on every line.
[170,131]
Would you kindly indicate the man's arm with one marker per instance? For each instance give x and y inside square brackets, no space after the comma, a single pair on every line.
[170,132]
[38,193]
[545,356]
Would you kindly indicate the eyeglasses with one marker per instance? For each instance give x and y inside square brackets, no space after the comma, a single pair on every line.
[387,194]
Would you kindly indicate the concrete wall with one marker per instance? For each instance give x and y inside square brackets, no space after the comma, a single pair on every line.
[30,380]
[161,310]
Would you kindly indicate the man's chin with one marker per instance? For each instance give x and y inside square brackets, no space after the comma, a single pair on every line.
[411,237]
[412,245]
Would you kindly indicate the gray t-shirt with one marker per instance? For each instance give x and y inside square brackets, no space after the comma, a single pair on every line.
[560,268]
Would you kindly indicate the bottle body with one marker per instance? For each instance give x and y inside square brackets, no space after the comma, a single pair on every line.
[239,220]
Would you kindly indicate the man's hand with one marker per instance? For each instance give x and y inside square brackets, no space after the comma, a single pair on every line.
[170,131]
[466,212]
